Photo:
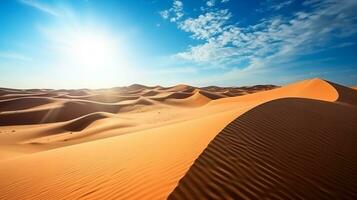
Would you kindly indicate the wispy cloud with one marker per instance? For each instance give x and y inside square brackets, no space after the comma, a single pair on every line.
[41,7]
[211,3]
[275,40]
[175,13]
[273,5]
[207,25]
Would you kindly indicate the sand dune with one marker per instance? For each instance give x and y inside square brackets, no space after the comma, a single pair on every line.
[23,103]
[26,108]
[346,95]
[41,117]
[197,98]
[311,89]
[156,140]
[288,148]
[83,122]
[181,87]
[211,95]
[61,111]
[151,93]
[71,104]
[106,98]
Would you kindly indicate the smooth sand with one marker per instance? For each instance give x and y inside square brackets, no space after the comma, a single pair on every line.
[150,138]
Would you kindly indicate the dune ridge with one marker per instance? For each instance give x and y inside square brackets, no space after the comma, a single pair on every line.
[289,148]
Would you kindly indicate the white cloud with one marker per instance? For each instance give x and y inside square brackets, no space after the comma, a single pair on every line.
[164,14]
[224,1]
[275,40]
[175,13]
[40,6]
[206,26]
[201,53]
[211,3]
[278,6]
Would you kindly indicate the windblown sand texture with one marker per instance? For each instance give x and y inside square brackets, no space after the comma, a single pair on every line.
[182,142]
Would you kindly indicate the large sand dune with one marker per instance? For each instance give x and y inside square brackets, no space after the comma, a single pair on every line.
[295,141]
[289,148]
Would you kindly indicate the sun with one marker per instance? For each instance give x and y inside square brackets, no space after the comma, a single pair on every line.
[91,50]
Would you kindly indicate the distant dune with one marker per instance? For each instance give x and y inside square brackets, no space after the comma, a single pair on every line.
[181,142]
[47,117]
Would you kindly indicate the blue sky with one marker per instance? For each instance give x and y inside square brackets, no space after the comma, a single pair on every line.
[102,43]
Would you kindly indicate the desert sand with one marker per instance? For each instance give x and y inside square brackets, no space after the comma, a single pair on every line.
[138,142]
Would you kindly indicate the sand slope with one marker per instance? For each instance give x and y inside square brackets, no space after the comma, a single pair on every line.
[286,149]
[151,143]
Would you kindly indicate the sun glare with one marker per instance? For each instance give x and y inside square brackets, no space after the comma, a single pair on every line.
[92,50]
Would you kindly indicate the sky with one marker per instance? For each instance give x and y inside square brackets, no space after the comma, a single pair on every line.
[103,43]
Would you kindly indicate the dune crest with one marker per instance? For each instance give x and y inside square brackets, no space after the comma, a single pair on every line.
[311,89]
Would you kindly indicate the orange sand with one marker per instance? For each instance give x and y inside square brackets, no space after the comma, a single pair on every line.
[135,142]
